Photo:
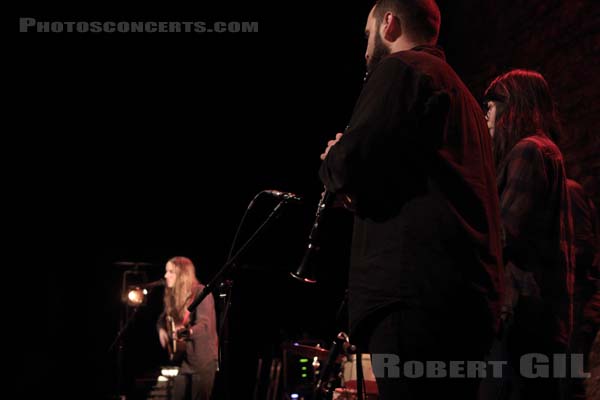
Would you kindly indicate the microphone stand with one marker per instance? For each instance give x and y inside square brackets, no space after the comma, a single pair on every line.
[223,333]
[218,281]
[230,265]
[126,320]
[324,387]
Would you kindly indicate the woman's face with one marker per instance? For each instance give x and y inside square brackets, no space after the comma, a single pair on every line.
[170,275]
[491,116]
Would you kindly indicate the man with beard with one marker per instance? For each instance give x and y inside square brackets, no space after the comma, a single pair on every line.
[416,168]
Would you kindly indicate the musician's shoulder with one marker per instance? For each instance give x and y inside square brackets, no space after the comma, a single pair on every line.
[196,289]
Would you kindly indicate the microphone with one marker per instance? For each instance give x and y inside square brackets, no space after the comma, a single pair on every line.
[283,195]
[160,282]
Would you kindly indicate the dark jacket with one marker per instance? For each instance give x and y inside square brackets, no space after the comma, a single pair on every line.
[416,161]
[202,347]
[536,215]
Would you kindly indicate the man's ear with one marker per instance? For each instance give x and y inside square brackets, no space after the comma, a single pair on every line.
[391,27]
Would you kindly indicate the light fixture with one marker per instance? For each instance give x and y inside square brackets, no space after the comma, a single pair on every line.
[136,296]
[169,372]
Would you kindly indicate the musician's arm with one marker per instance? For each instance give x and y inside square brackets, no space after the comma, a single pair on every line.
[161,328]
[377,135]
[526,185]
[161,321]
[205,320]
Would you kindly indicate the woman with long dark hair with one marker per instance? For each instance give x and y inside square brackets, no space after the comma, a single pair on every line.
[537,224]
[195,335]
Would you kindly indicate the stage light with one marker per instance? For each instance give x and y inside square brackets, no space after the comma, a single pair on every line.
[169,372]
[136,296]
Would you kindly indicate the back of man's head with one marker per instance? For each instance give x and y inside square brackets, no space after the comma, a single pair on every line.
[420,19]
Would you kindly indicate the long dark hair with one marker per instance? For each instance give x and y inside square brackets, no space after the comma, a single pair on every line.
[526,109]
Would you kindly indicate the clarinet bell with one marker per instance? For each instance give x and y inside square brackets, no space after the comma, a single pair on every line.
[306,270]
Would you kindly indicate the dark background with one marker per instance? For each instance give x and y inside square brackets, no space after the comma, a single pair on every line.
[140,147]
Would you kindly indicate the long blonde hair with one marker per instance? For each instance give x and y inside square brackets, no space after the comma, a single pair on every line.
[177,297]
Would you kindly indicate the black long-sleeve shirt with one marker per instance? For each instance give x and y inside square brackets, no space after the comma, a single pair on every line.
[416,161]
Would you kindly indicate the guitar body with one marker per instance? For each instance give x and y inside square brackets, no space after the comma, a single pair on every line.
[175,346]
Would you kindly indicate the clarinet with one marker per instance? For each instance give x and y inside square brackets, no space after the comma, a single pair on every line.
[306,270]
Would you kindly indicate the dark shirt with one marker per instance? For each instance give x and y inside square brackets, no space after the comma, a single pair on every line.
[535,212]
[416,162]
[587,257]
[587,232]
